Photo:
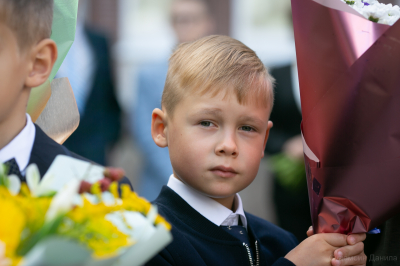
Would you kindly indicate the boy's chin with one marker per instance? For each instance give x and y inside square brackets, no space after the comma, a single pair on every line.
[225,192]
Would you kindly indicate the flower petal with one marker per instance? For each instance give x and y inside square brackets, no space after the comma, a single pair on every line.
[63,201]
[33,178]
[152,214]
[46,185]
[14,185]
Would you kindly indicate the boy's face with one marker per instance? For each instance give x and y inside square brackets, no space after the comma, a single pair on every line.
[216,144]
[13,71]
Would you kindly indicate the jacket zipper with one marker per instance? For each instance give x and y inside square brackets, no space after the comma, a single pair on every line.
[257,255]
[249,255]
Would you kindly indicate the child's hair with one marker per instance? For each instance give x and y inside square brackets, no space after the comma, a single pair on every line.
[30,20]
[214,64]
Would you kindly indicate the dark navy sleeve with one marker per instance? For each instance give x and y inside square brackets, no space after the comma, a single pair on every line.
[163,258]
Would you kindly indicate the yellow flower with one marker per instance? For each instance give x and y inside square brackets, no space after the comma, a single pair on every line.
[23,215]
[161,220]
[104,238]
[132,202]
[34,208]
[87,225]
[12,222]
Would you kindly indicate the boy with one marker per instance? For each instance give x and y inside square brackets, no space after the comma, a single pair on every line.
[27,56]
[214,119]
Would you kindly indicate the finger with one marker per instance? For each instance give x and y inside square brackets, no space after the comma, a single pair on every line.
[355,238]
[310,231]
[358,260]
[349,251]
[334,239]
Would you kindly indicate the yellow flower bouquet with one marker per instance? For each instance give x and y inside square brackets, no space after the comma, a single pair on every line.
[82,218]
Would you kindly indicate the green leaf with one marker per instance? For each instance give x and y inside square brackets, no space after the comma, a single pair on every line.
[371,18]
[288,172]
[48,229]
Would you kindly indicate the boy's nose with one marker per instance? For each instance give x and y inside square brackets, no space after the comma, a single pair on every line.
[227,147]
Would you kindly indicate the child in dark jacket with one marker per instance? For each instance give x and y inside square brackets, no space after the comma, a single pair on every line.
[27,56]
[214,119]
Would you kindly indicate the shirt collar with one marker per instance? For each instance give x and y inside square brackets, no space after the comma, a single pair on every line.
[21,146]
[209,208]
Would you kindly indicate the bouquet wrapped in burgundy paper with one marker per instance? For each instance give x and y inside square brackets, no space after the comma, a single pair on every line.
[349,74]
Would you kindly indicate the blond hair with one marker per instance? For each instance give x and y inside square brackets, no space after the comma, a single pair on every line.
[30,20]
[214,64]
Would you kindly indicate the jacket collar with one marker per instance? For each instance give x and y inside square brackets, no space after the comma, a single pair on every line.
[44,151]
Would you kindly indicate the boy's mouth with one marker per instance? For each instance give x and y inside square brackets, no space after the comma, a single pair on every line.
[224,171]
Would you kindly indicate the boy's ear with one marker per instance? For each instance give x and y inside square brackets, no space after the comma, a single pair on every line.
[158,126]
[270,125]
[42,58]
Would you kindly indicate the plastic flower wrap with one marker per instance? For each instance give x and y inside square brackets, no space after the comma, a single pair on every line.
[82,223]
[348,71]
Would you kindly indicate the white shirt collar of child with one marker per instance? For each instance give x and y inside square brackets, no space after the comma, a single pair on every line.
[20,147]
[209,208]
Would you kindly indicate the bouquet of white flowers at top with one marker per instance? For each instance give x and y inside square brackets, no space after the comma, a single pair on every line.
[348,67]
[375,11]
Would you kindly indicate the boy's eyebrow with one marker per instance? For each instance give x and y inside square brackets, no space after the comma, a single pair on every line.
[209,111]
[252,119]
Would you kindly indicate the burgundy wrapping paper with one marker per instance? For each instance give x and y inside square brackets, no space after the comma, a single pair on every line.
[349,74]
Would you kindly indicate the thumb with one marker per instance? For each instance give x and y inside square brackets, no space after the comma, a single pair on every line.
[310,231]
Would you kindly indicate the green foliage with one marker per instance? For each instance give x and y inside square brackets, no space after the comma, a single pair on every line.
[371,18]
[48,229]
[3,177]
[289,173]
[350,2]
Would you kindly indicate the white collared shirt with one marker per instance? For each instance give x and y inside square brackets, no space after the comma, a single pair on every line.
[209,208]
[20,147]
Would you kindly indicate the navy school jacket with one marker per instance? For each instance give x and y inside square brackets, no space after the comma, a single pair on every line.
[199,242]
[45,150]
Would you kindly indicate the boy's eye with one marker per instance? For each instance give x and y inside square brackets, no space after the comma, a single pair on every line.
[247,128]
[205,123]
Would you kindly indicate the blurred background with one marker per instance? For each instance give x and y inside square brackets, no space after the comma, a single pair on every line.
[117,68]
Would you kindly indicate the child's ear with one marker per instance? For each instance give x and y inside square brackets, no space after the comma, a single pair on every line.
[42,58]
[270,125]
[158,126]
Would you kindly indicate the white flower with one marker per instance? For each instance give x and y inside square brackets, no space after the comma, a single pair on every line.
[14,184]
[64,200]
[375,11]
[36,186]
[134,224]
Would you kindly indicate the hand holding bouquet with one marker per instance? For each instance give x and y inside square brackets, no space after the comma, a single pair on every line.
[349,83]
